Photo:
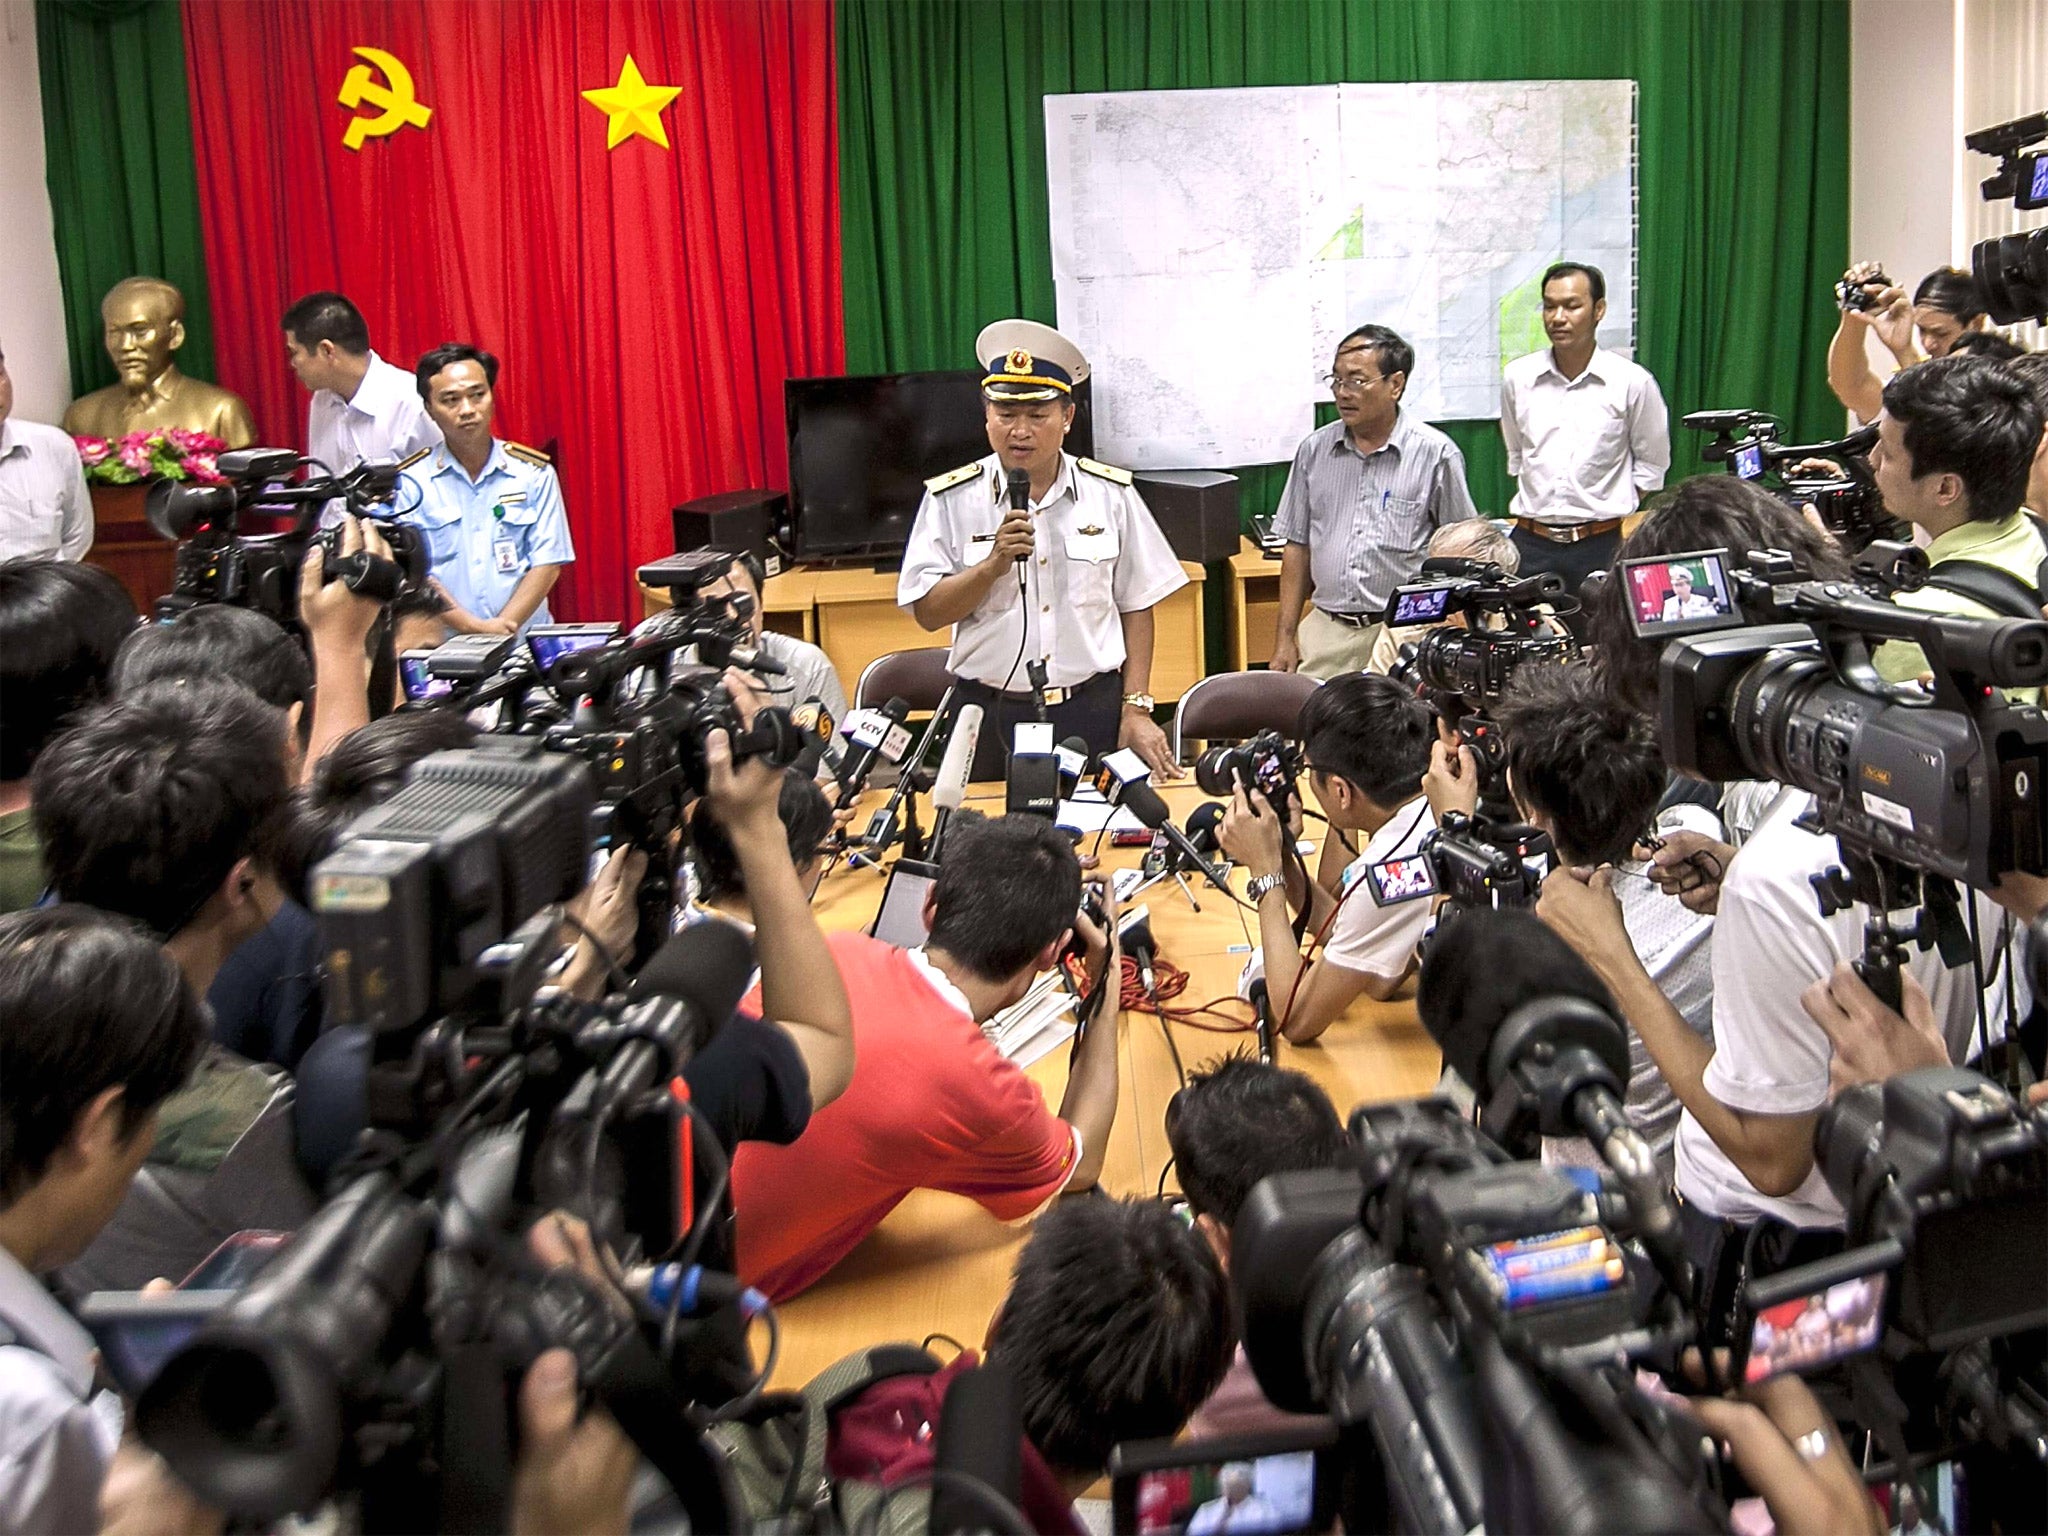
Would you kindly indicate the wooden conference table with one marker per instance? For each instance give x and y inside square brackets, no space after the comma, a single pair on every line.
[940,1264]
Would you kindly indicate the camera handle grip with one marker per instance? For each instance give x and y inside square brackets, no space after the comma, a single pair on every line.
[1881,965]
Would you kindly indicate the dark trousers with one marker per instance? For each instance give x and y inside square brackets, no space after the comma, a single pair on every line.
[1092,711]
[1574,562]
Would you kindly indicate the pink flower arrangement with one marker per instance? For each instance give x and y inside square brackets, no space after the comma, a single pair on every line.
[170,453]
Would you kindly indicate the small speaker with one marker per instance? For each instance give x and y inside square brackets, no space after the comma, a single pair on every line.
[1197,510]
[753,521]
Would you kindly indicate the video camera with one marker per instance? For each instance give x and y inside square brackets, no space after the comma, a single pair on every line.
[1475,862]
[1846,500]
[378,1353]
[2011,271]
[628,708]
[218,563]
[1471,1321]
[1769,676]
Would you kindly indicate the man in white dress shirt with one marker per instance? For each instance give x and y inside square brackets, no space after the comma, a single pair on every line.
[1062,590]
[45,513]
[1586,432]
[363,408]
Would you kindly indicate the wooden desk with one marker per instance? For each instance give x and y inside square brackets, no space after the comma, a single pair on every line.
[940,1264]
[787,604]
[1254,606]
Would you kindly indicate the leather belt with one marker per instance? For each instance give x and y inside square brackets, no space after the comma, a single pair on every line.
[1351,620]
[1568,533]
[1053,696]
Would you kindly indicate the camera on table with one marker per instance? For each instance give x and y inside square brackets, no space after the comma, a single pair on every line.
[1269,763]
[1769,676]
[378,1354]
[218,563]
[1833,478]
[2011,271]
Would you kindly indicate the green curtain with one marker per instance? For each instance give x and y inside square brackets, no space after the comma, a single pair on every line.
[117,128]
[1742,135]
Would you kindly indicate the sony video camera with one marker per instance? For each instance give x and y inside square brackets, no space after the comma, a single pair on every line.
[1475,861]
[378,1354]
[2011,271]
[1832,478]
[218,563]
[1768,676]
[1470,1321]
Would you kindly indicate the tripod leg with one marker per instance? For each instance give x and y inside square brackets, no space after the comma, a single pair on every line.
[1186,890]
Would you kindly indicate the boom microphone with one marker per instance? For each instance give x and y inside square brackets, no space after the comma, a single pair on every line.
[950,787]
[877,736]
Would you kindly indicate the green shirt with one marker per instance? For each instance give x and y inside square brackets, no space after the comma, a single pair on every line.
[2011,545]
[21,862]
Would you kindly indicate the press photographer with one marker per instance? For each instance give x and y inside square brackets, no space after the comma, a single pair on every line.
[1366,740]
[1944,307]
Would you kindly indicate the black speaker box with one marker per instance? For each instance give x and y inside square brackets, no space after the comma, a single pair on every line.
[1197,510]
[754,521]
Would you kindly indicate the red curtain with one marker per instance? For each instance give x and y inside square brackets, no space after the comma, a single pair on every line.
[646,303]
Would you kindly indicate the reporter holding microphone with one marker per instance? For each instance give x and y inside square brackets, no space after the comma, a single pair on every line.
[1066,581]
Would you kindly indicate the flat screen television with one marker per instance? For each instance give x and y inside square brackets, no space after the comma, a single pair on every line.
[860,450]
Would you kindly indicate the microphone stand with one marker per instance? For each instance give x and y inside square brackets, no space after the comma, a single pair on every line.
[882,829]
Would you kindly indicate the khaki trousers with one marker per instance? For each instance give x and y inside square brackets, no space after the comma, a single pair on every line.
[1329,648]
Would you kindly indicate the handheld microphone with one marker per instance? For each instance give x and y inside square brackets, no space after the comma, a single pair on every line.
[875,735]
[1262,1014]
[1123,779]
[1018,485]
[1138,943]
[950,788]
[821,740]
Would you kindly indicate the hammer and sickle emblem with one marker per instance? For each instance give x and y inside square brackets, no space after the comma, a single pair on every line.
[1019,361]
[396,99]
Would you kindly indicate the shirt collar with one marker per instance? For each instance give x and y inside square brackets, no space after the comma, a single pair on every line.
[1594,367]
[444,461]
[939,981]
[1969,537]
[1396,439]
[1063,481]
[40,1322]
[11,441]
[377,390]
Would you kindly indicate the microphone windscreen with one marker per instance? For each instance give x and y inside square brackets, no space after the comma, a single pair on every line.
[1483,965]
[708,965]
[950,787]
[1146,804]
[1203,821]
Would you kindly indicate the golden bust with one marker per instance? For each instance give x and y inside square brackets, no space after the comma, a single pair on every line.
[145,325]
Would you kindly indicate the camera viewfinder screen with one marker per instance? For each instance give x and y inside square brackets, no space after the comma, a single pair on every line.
[1426,605]
[549,649]
[418,682]
[1818,1329]
[1270,1494]
[1749,461]
[1667,595]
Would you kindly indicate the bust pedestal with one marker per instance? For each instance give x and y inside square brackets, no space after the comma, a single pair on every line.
[125,544]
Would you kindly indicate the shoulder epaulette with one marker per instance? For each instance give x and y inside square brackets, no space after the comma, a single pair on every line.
[413,458]
[952,477]
[1104,471]
[527,455]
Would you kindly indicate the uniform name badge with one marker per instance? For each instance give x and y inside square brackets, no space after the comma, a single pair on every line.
[505,553]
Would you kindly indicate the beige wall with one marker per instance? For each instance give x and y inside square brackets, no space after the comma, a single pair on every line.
[31,304]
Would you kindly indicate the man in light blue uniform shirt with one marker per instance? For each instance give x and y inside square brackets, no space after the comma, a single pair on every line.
[491,510]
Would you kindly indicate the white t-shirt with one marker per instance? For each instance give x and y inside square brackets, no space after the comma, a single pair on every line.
[1366,935]
[1770,944]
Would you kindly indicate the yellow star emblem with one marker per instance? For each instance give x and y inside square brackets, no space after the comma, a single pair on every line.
[633,106]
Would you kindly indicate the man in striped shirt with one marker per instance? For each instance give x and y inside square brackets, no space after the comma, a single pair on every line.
[1362,500]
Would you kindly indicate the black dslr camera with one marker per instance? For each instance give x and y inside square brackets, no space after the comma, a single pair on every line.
[218,563]
[1269,763]
[1861,297]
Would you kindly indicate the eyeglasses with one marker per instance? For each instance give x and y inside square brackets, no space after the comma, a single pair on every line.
[1350,383]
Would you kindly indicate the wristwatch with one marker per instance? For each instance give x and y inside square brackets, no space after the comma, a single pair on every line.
[1259,886]
[1143,701]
